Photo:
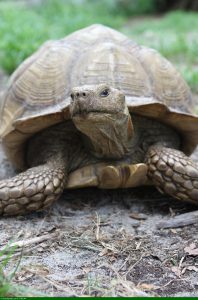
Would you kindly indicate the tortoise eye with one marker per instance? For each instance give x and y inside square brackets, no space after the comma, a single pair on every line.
[104,93]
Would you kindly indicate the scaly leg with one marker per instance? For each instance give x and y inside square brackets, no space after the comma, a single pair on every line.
[173,173]
[32,190]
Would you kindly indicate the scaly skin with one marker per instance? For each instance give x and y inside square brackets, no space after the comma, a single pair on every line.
[35,189]
[102,131]
[173,172]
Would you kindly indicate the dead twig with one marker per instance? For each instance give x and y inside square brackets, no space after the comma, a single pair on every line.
[31,241]
[97,232]
[180,220]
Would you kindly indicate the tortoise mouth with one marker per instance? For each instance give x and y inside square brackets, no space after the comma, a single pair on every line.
[86,113]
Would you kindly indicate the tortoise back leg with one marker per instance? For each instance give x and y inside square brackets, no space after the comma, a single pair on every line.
[173,173]
[32,190]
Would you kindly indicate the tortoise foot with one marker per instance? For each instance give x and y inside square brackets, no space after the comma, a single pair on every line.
[173,173]
[122,176]
[108,176]
[32,190]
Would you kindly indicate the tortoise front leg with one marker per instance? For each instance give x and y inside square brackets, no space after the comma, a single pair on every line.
[173,173]
[32,190]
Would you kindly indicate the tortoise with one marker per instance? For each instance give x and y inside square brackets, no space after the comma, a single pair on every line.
[96,109]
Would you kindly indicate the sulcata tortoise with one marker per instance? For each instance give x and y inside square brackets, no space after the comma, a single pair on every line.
[96,109]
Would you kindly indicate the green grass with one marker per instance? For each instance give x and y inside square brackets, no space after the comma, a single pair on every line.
[23,29]
[175,36]
[7,287]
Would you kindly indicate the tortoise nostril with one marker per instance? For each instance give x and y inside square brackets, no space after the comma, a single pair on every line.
[72,96]
[77,94]
[84,94]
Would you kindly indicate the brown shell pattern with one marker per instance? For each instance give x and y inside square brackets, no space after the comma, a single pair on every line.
[93,55]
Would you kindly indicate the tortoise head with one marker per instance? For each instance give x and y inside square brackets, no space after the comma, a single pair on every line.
[101,114]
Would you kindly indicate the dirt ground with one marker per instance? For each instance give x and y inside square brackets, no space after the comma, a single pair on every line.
[104,243]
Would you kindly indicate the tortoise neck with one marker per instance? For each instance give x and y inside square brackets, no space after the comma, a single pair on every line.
[107,135]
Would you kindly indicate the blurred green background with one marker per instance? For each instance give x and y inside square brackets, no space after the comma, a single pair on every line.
[171,27]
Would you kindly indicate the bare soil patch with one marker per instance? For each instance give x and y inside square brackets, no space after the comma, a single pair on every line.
[97,242]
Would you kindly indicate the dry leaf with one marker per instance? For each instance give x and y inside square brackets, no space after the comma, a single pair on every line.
[147,286]
[22,276]
[192,268]
[103,252]
[176,270]
[137,216]
[38,270]
[173,230]
[191,249]
[86,270]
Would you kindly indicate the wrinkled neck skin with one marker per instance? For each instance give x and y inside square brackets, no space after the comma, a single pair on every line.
[106,135]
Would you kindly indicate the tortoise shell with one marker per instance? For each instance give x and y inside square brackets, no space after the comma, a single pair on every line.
[38,94]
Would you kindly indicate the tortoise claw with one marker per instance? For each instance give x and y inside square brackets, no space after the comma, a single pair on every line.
[123,176]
